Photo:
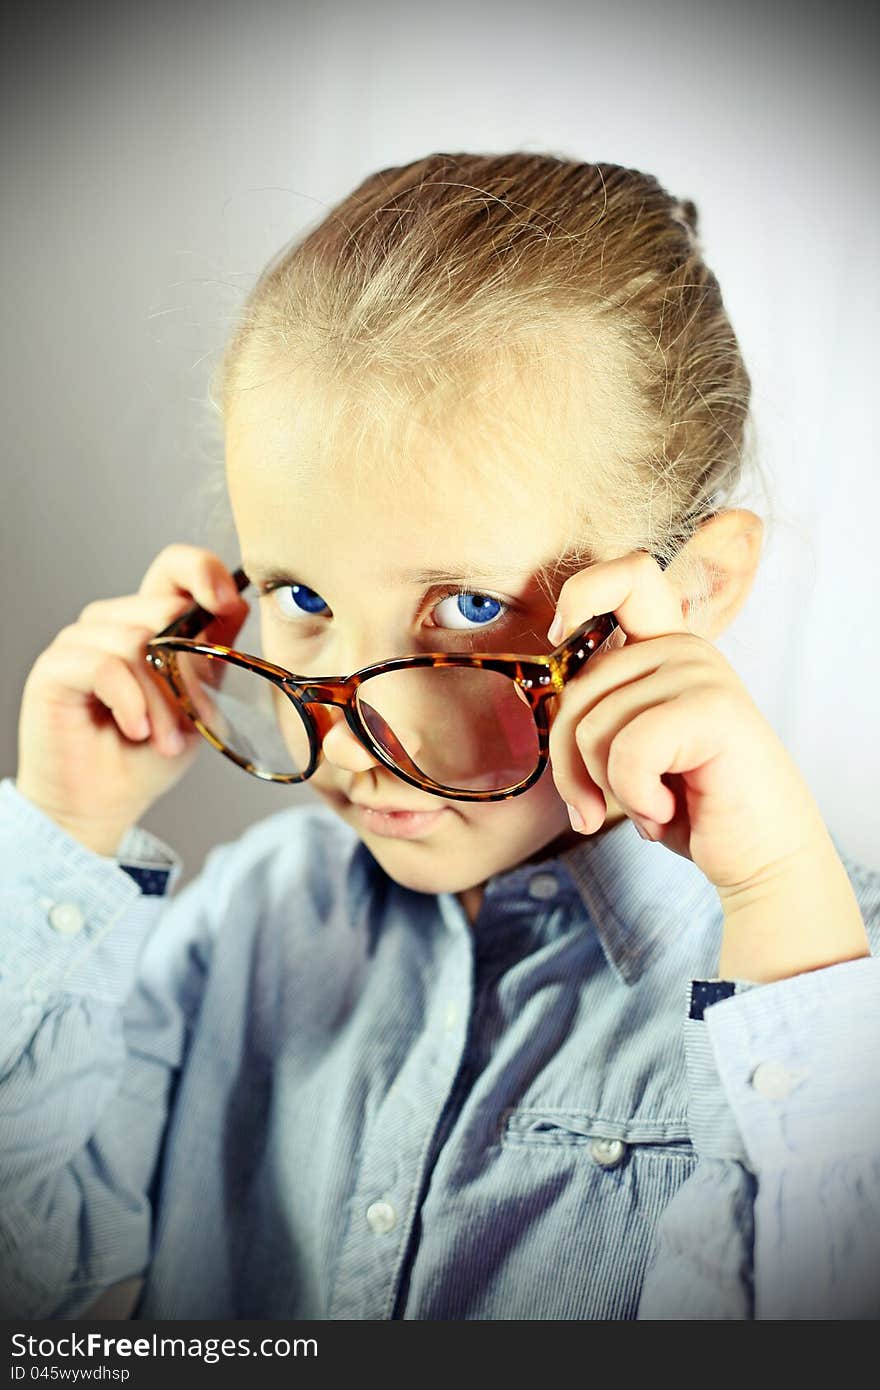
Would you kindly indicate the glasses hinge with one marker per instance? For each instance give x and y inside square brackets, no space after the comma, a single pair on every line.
[542,680]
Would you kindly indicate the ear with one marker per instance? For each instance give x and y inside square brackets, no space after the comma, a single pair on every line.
[728,547]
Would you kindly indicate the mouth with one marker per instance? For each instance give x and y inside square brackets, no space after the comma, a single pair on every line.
[396,822]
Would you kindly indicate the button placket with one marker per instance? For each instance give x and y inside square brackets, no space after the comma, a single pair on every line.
[381,1217]
[543,886]
[383,1209]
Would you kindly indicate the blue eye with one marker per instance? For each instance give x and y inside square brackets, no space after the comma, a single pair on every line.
[304,599]
[470,608]
[467,610]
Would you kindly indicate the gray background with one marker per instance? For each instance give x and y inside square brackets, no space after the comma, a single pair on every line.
[154,161]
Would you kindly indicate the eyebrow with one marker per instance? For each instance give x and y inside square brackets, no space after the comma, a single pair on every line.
[266,574]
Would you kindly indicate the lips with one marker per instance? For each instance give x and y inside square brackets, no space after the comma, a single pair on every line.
[399,825]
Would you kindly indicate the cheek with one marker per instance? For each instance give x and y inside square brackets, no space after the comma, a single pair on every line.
[547,804]
[541,808]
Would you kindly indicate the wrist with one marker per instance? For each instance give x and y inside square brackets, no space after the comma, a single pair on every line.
[100,839]
[803,916]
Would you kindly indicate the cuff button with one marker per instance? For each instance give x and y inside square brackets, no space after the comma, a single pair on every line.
[66,918]
[773,1081]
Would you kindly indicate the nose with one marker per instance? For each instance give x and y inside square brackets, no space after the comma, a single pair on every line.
[341,747]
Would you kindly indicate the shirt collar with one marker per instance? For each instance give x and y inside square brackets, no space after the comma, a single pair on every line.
[637,893]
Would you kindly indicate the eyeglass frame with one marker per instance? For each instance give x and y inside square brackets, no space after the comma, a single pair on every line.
[537,676]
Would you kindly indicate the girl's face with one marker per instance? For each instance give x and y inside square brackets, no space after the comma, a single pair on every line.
[360,555]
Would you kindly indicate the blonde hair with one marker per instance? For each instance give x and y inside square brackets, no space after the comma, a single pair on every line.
[434,288]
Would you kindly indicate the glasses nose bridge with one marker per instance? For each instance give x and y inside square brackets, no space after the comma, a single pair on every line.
[316,696]
[339,693]
[318,700]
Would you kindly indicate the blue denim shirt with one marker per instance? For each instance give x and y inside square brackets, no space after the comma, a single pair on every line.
[296,1089]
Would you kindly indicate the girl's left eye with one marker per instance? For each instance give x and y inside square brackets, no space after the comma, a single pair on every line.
[467,608]
[464,610]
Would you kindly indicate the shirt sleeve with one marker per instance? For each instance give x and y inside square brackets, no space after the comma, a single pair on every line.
[100,977]
[781,1217]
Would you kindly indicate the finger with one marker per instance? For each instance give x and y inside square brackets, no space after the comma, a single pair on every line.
[681,735]
[117,687]
[190,569]
[150,616]
[139,610]
[581,743]
[632,587]
[127,642]
[84,671]
[612,667]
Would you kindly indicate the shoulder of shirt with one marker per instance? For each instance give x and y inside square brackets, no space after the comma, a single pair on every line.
[866,886]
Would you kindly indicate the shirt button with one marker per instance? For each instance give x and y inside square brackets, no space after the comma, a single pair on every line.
[607,1152]
[543,886]
[66,918]
[772,1081]
[381,1216]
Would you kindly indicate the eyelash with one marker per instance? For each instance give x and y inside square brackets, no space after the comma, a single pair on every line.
[476,593]
[448,593]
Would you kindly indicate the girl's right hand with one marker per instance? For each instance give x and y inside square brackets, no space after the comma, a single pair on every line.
[97,728]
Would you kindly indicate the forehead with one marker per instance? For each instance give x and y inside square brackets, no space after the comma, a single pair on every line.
[306,476]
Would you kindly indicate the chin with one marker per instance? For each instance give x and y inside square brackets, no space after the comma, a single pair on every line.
[422,877]
[489,838]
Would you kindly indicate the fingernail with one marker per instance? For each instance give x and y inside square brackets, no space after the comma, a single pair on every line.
[174,741]
[574,815]
[554,632]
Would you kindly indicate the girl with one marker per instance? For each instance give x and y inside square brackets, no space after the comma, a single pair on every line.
[438,1044]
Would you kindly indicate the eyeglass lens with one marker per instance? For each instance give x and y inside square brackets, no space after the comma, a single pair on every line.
[462,728]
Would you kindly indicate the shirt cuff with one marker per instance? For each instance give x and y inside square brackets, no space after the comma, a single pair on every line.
[797,1060]
[74,920]
[713,1128]
[706,992]
[153,865]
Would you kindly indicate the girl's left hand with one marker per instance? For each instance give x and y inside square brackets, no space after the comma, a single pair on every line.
[662,723]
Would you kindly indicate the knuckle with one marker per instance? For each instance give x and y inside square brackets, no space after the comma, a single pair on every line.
[645,562]
[569,591]
[41,665]
[108,667]
[692,669]
[720,701]
[92,610]
[180,550]
[584,734]
[624,749]
[176,558]
[685,641]
[687,652]
[696,648]
[593,755]
[169,606]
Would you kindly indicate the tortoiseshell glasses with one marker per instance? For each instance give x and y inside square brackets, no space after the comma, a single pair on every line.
[470,727]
